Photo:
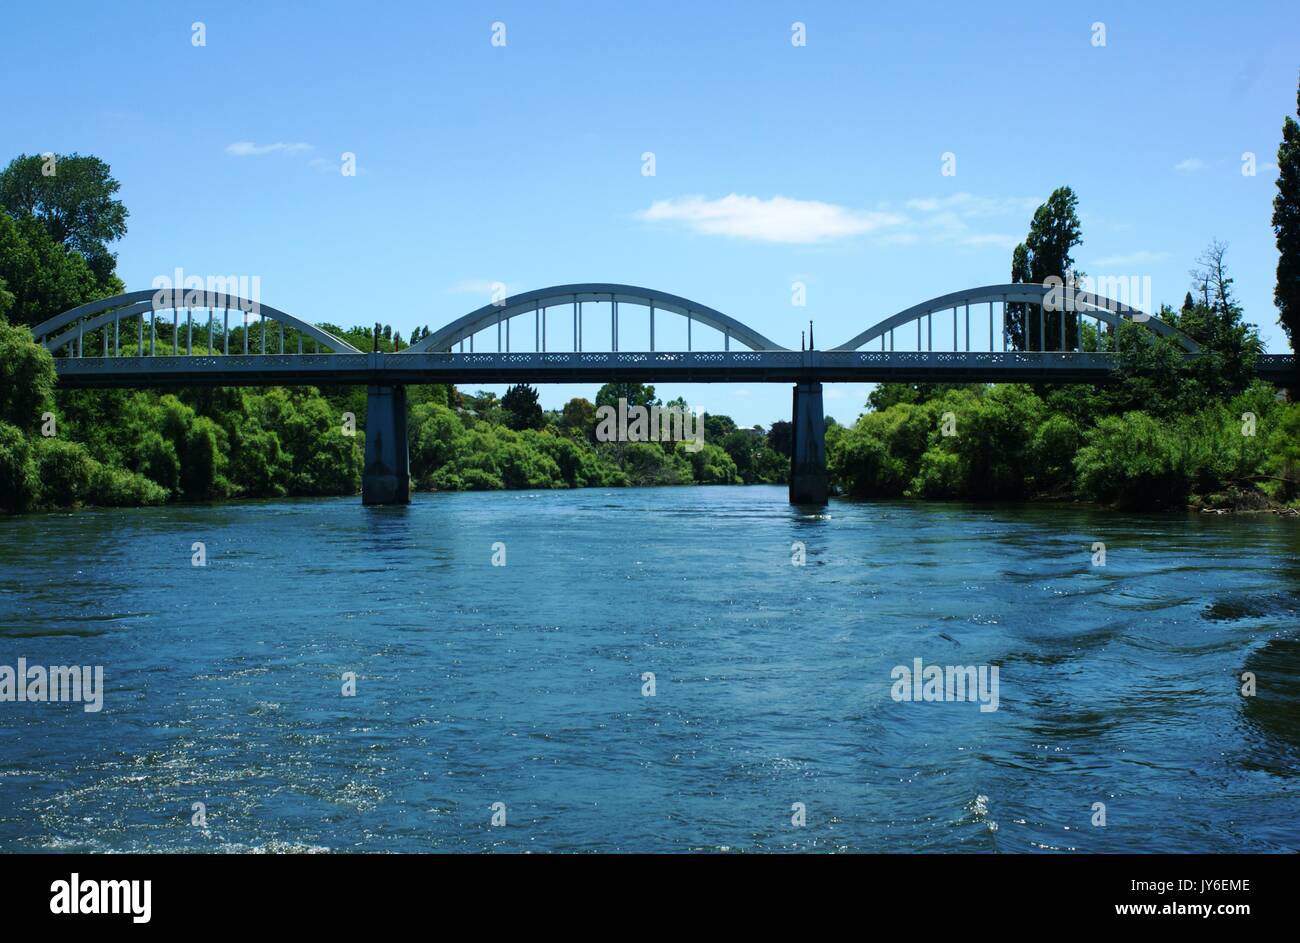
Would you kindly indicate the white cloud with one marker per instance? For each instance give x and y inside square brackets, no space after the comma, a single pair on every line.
[249,149]
[1189,165]
[779,219]
[959,218]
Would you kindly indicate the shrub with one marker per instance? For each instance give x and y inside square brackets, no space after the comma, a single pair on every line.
[66,470]
[1135,461]
[941,475]
[19,484]
[116,487]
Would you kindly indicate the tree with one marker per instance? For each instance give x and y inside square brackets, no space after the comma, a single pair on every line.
[522,409]
[1053,233]
[19,481]
[578,419]
[73,198]
[1134,461]
[635,393]
[26,378]
[718,427]
[1228,345]
[780,437]
[1286,226]
[41,277]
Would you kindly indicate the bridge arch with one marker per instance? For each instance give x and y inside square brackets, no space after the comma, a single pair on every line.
[1085,305]
[73,324]
[491,315]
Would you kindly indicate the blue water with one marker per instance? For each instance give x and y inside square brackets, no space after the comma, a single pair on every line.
[522,684]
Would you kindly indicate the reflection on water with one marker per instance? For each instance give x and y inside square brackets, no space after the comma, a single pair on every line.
[522,684]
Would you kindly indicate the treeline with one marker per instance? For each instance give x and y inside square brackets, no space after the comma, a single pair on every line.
[1013,442]
[481,443]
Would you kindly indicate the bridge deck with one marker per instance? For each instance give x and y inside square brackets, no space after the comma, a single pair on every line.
[624,366]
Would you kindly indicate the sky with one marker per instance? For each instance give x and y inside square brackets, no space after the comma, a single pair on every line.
[775,163]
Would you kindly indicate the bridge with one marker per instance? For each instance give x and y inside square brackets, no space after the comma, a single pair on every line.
[128,341]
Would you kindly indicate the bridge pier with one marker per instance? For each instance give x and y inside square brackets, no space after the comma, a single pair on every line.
[809,480]
[386,477]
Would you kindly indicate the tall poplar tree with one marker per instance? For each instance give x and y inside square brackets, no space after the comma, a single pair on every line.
[1053,234]
[1286,226]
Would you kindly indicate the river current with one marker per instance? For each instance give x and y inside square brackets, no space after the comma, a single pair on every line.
[668,669]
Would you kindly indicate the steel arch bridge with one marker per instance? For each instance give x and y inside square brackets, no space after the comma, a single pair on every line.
[129,341]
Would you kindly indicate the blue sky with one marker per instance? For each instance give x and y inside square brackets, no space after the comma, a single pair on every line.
[774,163]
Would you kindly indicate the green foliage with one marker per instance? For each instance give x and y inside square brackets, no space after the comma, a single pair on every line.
[636,394]
[72,197]
[861,462]
[19,481]
[717,428]
[780,437]
[711,465]
[1282,461]
[1134,460]
[155,457]
[432,432]
[645,463]
[940,475]
[323,460]
[993,439]
[1055,443]
[116,487]
[522,409]
[26,378]
[66,471]
[43,278]
[578,419]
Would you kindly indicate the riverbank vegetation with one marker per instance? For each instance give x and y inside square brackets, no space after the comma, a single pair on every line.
[1168,434]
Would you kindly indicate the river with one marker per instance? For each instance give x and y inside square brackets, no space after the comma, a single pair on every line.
[650,671]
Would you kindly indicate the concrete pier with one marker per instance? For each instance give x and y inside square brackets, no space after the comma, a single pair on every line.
[386,477]
[809,480]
